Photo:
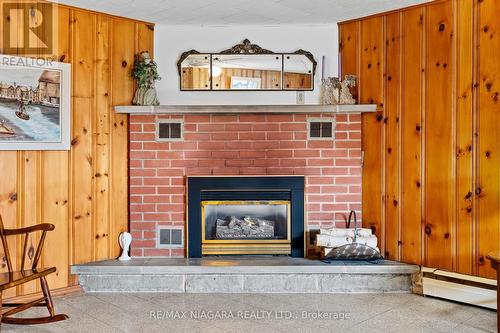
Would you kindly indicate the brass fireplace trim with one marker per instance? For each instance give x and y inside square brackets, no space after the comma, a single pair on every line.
[243,246]
[213,249]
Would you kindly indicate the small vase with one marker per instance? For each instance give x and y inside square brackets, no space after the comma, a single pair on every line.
[146,96]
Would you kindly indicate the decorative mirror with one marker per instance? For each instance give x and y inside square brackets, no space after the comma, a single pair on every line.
[246,66]
[194,72]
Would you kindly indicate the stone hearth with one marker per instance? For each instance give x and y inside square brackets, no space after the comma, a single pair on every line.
[244,275]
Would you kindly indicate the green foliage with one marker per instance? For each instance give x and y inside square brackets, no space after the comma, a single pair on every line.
[145,72]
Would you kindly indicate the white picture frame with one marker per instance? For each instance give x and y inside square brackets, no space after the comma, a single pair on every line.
[35,104]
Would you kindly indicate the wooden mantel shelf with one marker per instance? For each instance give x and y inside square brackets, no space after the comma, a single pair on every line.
[210,109]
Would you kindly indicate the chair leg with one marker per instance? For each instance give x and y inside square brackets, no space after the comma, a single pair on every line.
[46,294]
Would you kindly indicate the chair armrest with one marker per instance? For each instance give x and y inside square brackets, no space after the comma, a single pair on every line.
[33,228]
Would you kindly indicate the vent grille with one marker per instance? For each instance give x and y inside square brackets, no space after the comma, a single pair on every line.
[321,128]
[169,130]
[170,237]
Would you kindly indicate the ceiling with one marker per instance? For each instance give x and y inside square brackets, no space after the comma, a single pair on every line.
[245,12]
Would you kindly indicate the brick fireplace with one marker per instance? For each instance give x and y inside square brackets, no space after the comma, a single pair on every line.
[231,145]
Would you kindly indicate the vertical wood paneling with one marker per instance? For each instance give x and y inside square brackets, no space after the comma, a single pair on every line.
[464,179]
[411,124]
[438,129]
[488,191]
[55,211]
[72,189]
[392,132]
[101,140]
[144,38]
[29,204]
[348,48]
[54,190]
[8,206]
[122,61]
[82,152]
[371,92]
[449,170]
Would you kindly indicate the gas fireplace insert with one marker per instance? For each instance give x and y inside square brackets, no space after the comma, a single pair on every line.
[245,215]
[245,227]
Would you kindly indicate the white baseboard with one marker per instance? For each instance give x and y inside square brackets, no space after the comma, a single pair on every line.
[475,295]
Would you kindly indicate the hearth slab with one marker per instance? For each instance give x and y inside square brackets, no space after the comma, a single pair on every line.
[244,275]
[235,264]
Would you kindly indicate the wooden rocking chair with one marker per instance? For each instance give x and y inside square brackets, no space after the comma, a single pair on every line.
[15,278]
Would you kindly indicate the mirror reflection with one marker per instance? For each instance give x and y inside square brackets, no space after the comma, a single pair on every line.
[298,72]
[246,66]
[246,72]
[195,72]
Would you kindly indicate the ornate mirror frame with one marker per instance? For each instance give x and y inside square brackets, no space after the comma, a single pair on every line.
[246,47]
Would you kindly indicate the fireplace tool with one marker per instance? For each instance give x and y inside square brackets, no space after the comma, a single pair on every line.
[354,250]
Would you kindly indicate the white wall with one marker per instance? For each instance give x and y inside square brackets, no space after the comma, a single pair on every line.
[171,41]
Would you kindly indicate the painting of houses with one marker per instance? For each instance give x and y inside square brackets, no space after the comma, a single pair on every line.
[30,106]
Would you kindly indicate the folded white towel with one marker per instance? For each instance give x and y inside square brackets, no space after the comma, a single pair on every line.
[370,241]
[337,232]
[325,240]
[332,241]
[349,232]
[365,232]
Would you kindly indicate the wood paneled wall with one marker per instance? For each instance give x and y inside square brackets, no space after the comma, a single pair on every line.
[84,191]
[431,172]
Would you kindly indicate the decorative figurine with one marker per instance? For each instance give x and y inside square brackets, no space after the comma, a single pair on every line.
[345,92]
[125,239]
[146,73]
[331,90]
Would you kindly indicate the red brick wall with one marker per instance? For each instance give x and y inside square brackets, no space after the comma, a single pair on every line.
[239,145]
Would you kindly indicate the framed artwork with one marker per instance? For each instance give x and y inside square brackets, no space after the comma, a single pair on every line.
[35,105]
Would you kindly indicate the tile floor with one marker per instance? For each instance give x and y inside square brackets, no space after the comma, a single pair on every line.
[277,313]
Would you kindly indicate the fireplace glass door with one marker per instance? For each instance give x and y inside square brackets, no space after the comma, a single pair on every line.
[245,227]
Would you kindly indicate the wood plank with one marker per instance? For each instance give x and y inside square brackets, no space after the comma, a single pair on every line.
[8,207]
[349,48]
[30,206]
[439,136]
[122,60]
[55,204]
[392,132]
[83,31]
[371,92]
[82,161]
[83,54]
[411,124]
[55,188]
[488,191]
[464,179]
[144,38]
[101,141]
